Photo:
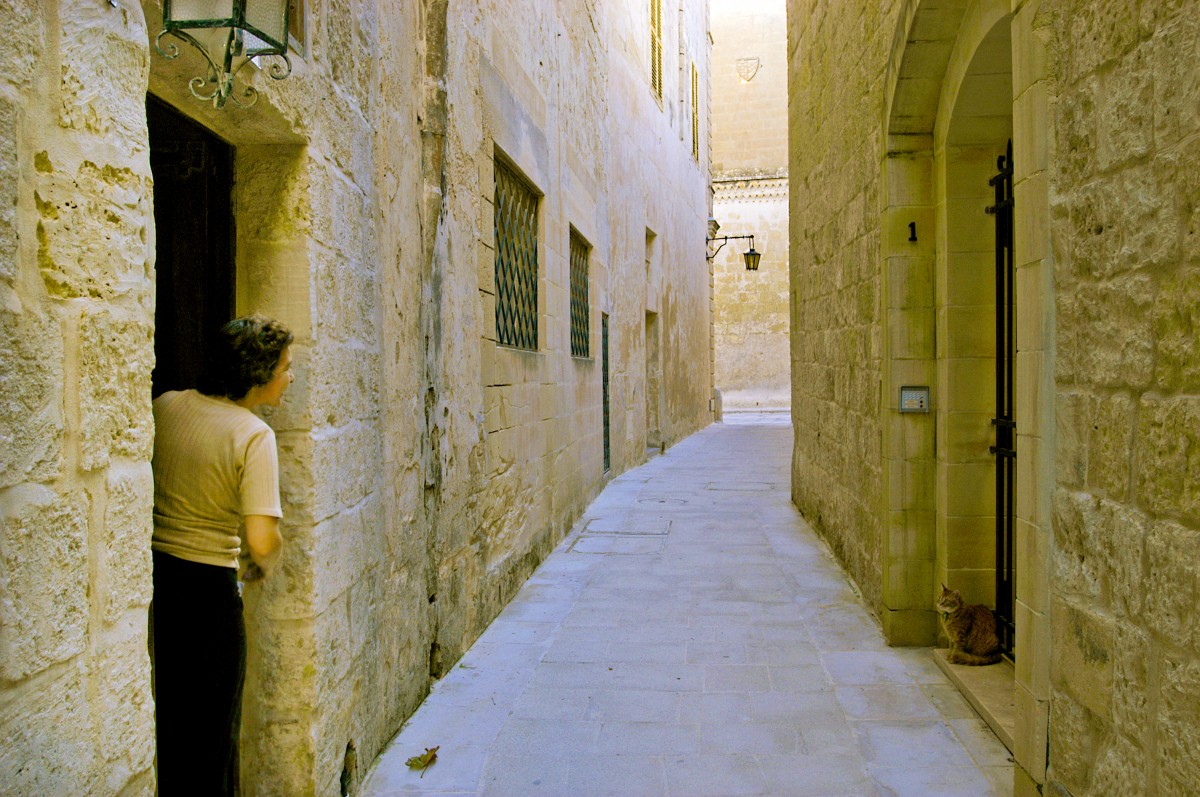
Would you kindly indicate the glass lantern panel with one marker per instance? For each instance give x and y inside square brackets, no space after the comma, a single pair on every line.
[182,11]
[270,17]
[213,40]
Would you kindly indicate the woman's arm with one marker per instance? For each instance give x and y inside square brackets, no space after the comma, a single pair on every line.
[264,540]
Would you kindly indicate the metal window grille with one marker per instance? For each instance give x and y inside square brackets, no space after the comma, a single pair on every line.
[580,339]
[656,48]
[516,261]
[695,112]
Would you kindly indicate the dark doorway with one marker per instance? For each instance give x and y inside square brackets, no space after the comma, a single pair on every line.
[193,219]
[1005,421]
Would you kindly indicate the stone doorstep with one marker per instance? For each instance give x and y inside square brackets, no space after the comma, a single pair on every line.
[989,690]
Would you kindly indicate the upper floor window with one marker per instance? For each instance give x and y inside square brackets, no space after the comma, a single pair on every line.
[515,219]
[298,25]
[656,48]
[695,113]
[580,338]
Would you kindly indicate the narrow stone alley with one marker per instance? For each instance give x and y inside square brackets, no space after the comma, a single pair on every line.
[692,636]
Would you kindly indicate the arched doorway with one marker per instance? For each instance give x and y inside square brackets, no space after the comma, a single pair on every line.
[975,359]
[949,121]
[954,103]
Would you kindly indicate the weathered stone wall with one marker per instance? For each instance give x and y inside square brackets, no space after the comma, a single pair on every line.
[1125,188]
[1103,121]
[749,87]
[750,197]
[837,54]
[76,307]
[751,308]
[426,471]
[565,98]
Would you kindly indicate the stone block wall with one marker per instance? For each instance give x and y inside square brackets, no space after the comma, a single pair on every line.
[836,55]
[425,471]
[749,87]
[76,308]
[750,197]
[1103,119]
[1124,585]
[566,102]
[751,308]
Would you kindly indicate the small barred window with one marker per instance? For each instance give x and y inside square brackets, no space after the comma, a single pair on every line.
[580,341]
[516,261]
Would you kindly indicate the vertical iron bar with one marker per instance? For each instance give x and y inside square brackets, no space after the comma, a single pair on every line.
[1005,420]
[1011,306]
[1001,405]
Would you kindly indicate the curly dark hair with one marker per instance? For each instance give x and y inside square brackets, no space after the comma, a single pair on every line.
[243,355]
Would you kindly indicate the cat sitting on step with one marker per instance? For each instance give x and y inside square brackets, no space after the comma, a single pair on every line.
[971,629]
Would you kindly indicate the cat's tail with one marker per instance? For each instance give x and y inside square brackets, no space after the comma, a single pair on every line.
[961,657]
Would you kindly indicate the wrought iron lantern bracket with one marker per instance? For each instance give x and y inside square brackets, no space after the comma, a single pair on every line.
[244,44]
[751,256]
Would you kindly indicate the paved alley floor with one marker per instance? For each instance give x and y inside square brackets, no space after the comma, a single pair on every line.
[692,636]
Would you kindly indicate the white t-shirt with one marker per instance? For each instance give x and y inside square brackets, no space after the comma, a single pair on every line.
[214,462]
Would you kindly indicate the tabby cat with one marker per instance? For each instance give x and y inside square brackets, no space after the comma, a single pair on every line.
[971,629]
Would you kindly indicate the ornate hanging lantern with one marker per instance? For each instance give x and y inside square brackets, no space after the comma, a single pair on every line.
[229,34]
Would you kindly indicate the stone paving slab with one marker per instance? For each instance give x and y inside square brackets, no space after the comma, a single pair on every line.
[693,637]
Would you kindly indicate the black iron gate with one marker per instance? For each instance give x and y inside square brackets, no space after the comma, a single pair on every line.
[1005,449]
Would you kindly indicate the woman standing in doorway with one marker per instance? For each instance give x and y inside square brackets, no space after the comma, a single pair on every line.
[216,497]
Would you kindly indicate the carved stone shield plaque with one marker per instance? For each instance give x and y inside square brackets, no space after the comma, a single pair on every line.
[747,68]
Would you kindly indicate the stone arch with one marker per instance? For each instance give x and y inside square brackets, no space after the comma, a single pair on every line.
[974,127]
[937,127]
[924,41]
[948,100]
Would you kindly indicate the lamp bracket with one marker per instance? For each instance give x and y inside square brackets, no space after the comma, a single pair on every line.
[724,239]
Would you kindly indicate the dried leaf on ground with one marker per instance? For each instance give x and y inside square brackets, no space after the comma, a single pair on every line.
[423,761]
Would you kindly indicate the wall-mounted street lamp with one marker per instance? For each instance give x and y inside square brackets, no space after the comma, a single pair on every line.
[229,34]
[752,257]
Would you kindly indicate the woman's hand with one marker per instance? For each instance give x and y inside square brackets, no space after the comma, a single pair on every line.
[264,541]
[252,572]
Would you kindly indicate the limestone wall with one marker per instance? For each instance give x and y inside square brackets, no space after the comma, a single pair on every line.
[564,97]
[751,308]
[751,197]
[425,470]
[835,92]
[749,84]
[76,303]
[1125,186]
[1103,120]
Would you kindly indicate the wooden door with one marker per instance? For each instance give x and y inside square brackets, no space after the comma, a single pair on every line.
[194,235]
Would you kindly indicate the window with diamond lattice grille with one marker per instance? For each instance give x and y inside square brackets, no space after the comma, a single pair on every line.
[656,48]
[516,261]
[580,342]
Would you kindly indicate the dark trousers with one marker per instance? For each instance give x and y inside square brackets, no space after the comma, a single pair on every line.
[199,640]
